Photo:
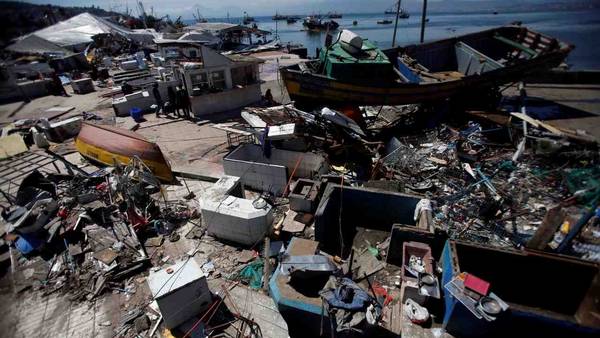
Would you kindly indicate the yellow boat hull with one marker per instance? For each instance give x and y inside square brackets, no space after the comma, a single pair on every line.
[107,145]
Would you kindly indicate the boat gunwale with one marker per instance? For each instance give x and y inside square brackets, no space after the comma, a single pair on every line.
[292,74]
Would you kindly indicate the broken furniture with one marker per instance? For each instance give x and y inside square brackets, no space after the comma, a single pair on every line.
[548,295]
[417,260]
[82,86]
[181,291]
[304,195]
[129,65]
[272,173]
[229,216]
[401,234]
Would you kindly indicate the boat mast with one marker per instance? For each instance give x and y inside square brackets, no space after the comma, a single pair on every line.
[423,18]
[396,23]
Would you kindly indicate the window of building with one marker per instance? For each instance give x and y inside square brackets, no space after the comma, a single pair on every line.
[193,53]
[243,75]
[171,52]
[218,79]
[199,80]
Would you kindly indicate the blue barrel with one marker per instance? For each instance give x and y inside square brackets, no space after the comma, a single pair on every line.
[136,114]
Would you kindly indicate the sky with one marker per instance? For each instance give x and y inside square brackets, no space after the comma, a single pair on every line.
[236,8]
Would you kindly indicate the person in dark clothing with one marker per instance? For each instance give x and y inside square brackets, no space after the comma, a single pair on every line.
[159,101]
[184,102]
[60,90]
[126,88]
[269,97]
[173,101]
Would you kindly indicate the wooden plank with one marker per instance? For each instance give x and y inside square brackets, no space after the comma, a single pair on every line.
[516,45]
[545,232]
[538,123]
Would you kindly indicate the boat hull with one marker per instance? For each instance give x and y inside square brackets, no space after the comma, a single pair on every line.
[105,145]
[315,88]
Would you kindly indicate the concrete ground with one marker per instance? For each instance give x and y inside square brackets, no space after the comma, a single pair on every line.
[90,102]
[581,97]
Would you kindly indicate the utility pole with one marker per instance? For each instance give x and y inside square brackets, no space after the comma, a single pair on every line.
[396,24]
[423,18]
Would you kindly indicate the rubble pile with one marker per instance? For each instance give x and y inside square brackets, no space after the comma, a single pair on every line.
[304,219]
[88,227]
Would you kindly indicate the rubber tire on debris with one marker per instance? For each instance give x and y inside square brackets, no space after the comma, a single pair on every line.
[174,237]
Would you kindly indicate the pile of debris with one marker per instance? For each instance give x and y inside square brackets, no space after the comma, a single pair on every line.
[88,227]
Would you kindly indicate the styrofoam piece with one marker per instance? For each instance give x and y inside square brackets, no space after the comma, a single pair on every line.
[234,218]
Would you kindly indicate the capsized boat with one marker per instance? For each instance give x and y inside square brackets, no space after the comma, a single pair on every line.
[105,144]
[353,71]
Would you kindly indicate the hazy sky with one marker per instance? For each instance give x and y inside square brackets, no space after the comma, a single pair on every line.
[236,8]
[219,8]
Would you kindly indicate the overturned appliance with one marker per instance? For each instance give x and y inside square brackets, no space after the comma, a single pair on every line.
[229,216]
[272,170]
[61,130]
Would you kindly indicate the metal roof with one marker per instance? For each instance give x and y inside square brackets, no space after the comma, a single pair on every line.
[79,30]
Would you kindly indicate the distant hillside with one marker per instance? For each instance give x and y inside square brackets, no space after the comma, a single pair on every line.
[19,18]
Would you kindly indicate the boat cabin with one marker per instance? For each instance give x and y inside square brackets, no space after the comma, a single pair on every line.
[354,59]
[472,54]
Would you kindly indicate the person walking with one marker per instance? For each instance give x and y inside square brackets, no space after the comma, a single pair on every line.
[184,102]
[173,101]
[157,98]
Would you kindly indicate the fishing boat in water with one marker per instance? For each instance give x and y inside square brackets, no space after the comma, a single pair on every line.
[403,14]
[314,23]
[105,145]
[334,15]
[353,71]
[384,22]
[278,17]
[291,20]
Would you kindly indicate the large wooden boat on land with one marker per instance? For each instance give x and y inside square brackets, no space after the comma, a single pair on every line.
[105,145]
[353,71]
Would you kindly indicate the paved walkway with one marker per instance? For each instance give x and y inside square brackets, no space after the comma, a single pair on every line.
[55,316]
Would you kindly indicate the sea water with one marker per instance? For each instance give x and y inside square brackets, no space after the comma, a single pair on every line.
[579,28]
